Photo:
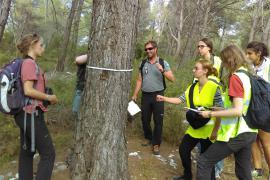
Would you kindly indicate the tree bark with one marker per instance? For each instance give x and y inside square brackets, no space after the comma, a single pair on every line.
[62,58]
[208,6]
[76,25]
[255,18]
[193,34]
[100,149]
[4,13]
[266,33]
[178,37]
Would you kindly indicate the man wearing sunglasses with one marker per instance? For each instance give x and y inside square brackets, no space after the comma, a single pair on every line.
[151,80]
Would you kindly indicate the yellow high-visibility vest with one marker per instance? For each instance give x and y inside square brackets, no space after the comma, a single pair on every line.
[203,98]
[233,126]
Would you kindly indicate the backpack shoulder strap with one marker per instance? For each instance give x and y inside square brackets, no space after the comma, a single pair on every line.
[243,71]
[190,95]
[142,64]
[141,67]
[161,62]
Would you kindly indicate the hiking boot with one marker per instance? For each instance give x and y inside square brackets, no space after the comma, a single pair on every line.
[257,173]
[156,149]
[146,142]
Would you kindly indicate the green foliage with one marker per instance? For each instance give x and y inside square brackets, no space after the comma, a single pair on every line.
[63,85]
[62,139]
[9,133]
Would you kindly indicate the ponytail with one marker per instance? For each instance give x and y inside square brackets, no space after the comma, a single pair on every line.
[212,71]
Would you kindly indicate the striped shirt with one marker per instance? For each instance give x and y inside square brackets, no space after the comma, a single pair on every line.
[217,99]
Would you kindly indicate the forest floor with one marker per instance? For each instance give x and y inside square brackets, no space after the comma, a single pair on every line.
[143,165]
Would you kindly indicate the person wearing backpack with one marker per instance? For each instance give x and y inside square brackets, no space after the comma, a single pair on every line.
[234,136]
[151,80]
[31,47]
[204,93]
[257,52]
[80,83]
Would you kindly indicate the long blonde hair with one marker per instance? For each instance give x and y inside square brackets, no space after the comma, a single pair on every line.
[233,58]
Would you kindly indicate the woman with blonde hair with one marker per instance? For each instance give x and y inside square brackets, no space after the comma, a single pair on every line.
[234,136]
[33,80]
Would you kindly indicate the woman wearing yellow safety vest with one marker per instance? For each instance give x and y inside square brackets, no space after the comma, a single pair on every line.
[257,52]
[234,135]
[205,94]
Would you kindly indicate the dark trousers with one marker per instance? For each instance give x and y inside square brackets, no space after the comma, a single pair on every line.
[185,148]
[239,146]
[151,106]
[44,146]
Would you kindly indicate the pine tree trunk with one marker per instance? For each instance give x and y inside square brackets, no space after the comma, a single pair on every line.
[76,25]
[179,29]
[62,58]
[4,13]
[193,35]
[100,149]
[266,33]
[255,18]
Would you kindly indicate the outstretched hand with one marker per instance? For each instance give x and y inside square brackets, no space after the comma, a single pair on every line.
[160,98]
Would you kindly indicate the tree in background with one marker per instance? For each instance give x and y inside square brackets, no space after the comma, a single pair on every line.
[4,13]
[76,23]
[64,45]
[100,150]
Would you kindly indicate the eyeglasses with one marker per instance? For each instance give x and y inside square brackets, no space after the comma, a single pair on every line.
[149,49]
[201,46]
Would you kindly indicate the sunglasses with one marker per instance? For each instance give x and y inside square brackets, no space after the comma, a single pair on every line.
[149,49]
[201,46]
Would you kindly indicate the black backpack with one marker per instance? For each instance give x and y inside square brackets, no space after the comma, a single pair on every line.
[161,61]
[258,113]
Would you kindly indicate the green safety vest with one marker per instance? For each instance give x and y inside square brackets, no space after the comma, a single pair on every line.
[204,98]
[233,126]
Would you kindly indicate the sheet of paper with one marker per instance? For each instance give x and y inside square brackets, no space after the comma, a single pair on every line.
[195,110]
[133,108]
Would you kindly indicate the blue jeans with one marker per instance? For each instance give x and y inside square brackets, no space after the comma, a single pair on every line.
[76,101]
[219,167]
